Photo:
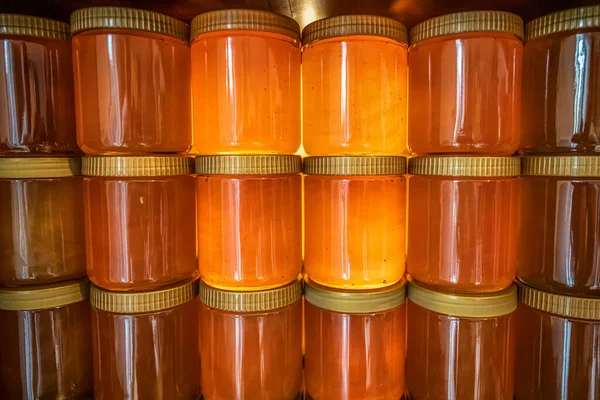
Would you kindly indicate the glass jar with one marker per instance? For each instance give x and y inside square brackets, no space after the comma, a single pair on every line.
[354,221]
[41,213]
[354,73]
[251,343]
[561,88]
[463,222]
[132,81]
[354,343]
[36,86]
[465,84]
[249,220]
[559,229]
[46,342]
[145,345]
[140,221]
[460,346]
[558,354]
[246,82]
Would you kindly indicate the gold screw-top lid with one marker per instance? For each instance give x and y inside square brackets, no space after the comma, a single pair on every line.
[465,305]
[355,302]
[137,166]
[248,165]
[251,301]
[346,25]
[465,22]
[567,20]
[39,167]
[577,166]
[26,25]
[44,297]
[566,306]
[141,302]
[355,165]
[464,166]
[91,18]
[251,20]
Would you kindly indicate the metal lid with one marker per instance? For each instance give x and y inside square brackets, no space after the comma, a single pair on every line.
[90,18]
[464,166]
[346,25]
[248,165]
[355,165]
[355,302]
[141,302]
[251,20]
[567,20]
[265,300]
[44,297]
[39,167]
[124,166]
[26,25]
[566,306]
[575,166]
[465,22]
[465,305]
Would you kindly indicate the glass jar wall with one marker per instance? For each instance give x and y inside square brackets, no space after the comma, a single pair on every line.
[559,229]
[140,221]
[41,213]
[558,354]
[561,83]
[246,82]
[251,343]
[460,346]
[354,221]
[132,81]
[465,84]
[46,342]
[36,86]
[146,345]
[249,220]
[354,78]
[463,222]
[354,343]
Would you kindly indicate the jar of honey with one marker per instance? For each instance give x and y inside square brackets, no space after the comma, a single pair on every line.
[558,352]
[246,82]
[463,222]
[559,229]
[132,81]
[354,212]
[465,84]
[460,346]
[561,84]
[36,86]
[42,238]
[140,221]
[249,220]
[354,78]
[354,343]
[46,342]
[251,343]
[145,344]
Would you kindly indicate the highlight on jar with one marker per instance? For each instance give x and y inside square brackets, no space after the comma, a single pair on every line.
[465,84]
[354,217]
[354,86]
[245,82]
[463,222]
[132,82]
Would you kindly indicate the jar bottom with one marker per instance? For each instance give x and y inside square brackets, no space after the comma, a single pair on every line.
[354,286]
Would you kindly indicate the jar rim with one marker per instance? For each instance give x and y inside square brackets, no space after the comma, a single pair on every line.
[44,297]
[562,165]
[27,25]
[252,164]
[463,166]
[355,165]
[39,167]
[137,166]
[563,21]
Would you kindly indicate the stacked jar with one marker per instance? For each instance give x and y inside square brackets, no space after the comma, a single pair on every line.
[464,116]
[246,106]
[44,309]
[354,78]
[132,97]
